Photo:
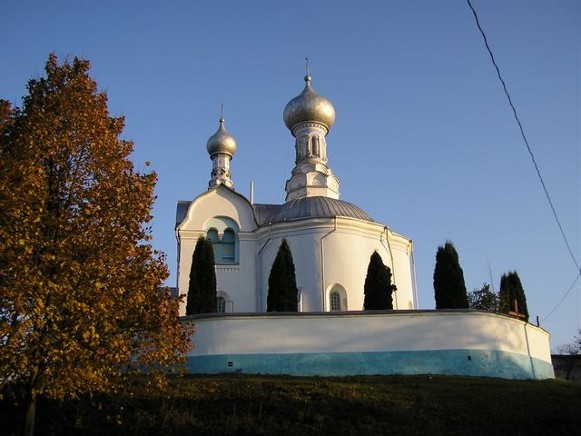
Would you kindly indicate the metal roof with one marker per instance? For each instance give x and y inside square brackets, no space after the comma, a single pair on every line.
[318,207]
[299,208]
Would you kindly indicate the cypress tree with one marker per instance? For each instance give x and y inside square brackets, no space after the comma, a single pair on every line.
[378,288]
[202,290]
[511,289]
[449,286]
[282,283]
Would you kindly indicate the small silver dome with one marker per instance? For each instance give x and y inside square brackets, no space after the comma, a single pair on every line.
[221,142]
[309,106]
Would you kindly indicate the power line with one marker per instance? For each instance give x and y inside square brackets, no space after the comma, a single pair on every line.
[525,141]
[563,297]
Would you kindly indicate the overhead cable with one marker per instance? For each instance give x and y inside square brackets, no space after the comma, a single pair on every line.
[525,139]
[563,297]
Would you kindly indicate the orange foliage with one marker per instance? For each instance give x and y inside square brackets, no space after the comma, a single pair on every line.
[80,285]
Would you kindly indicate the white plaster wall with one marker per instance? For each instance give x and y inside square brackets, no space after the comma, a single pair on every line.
[345,247]
[237,280]
[361,332]
[304,246]
[221,201]
[346,259]
[326,252]
[402,273]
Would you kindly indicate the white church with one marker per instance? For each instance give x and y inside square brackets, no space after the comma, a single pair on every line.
[331,241]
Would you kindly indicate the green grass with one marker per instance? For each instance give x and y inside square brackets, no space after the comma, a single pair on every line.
[278,405]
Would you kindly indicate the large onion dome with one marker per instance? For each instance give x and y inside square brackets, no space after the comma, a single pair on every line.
[309,106]
[221,142]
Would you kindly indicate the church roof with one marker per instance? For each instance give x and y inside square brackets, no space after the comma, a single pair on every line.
[308,207]
[182,211]
[265,213]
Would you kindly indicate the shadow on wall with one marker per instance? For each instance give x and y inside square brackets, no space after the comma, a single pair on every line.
[567,366]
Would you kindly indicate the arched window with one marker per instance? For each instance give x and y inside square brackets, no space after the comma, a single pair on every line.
[335,301]
[228,245]
[316,150]
[222,232]
[212,235]
[221,303]
[224,303]
[337,298]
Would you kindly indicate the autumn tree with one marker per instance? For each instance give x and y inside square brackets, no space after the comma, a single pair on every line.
[449,286]
[483,299]
[282,283]
[81,302]
[378,287]
[202,297]
[512,295]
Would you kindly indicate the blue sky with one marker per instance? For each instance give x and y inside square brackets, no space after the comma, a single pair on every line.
[424,140]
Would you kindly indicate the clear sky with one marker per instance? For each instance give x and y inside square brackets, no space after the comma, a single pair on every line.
[424,140]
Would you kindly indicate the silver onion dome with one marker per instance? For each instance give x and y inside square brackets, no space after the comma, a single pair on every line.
[221,142]
[309,106]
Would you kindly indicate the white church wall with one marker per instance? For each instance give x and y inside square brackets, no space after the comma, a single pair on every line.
[348,250]
[400,250]
[186,247]
[461,342]
[346,259]
[219,202]
[305,249]
[236,279]
[331,252]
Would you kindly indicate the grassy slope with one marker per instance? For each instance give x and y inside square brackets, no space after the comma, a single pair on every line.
[287,405]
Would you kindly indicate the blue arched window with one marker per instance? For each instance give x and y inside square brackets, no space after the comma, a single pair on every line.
[229,245]
[222,232]
[212,236]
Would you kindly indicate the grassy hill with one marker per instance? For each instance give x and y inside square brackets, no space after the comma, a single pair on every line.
[277,405]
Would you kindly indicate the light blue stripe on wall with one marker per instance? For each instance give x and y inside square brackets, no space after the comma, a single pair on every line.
[487,363]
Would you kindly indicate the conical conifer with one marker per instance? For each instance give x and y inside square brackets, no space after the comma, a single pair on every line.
[449,286]
[282,284]
[202,290]
[378,288]
[511,290]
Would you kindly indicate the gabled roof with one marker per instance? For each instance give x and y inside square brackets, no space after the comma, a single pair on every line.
[183,206]
[182,211]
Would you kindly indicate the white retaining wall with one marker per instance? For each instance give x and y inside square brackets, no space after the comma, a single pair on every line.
[348,343]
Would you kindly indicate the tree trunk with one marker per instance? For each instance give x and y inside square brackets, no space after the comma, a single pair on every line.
[30,412]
